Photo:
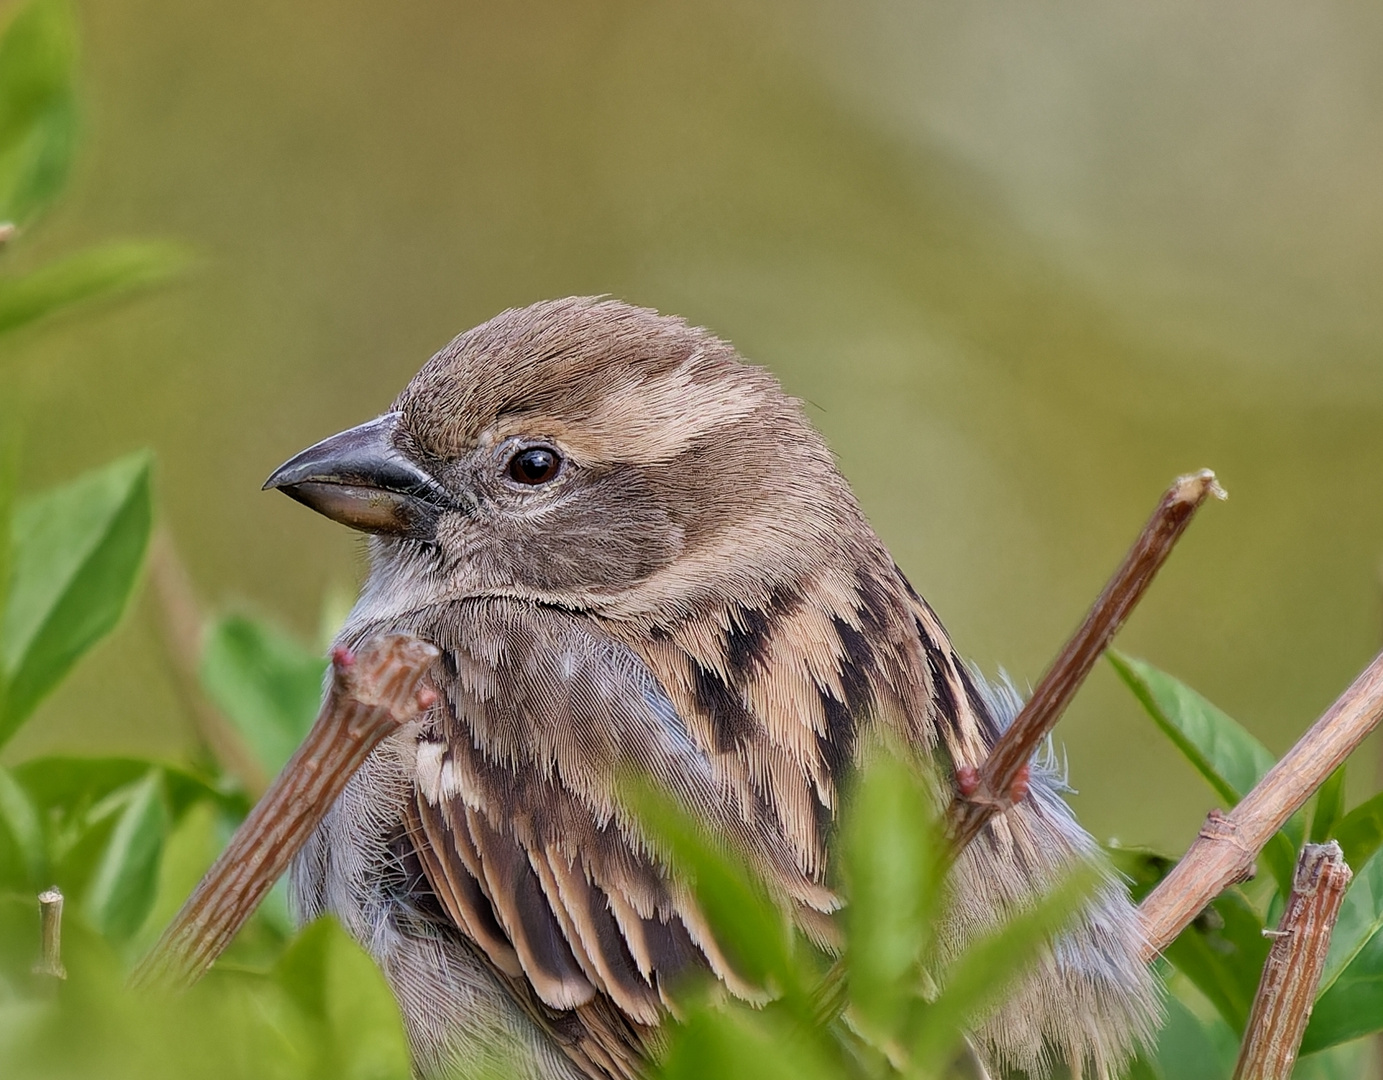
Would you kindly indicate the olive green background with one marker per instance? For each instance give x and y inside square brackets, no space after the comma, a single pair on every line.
[1026,263]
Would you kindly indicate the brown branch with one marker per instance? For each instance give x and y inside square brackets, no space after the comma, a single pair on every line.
[1228,843]
[1002,779]
[182,627]
[1292,972]
[371,695]
[50,932]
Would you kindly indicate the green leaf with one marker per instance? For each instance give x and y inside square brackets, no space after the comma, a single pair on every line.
[125,882]
[1353,1006]
[752,931]
[979,976]
[350,1012]
[1186,1049]
[1360,832]
[38,114]
[1143,867]
[21,835]
[735,1043]
[61,785]
[1330,805]
[1230,759]
[889,854]
[98,272]
[1360,919]
[1222,953]
[9,472]
[266,683]
[77,551]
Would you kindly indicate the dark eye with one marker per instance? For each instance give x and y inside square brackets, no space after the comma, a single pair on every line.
[536,465]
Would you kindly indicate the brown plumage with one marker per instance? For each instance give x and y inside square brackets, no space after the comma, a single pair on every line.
[635,553]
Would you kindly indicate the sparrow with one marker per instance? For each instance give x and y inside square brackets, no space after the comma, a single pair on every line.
[633,551]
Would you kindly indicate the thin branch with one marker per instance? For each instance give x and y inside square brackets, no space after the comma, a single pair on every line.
[371,696]
[182,626]
[1228,843]
[50,932]
[1002,779]
[1292,972]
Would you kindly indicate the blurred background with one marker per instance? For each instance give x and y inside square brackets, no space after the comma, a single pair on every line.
[1025,264]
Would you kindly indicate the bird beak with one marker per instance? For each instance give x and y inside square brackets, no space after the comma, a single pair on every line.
[361,479]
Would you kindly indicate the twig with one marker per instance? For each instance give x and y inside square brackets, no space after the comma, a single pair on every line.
[182,627]
[1002,779]
[50,931]
[1228,843]
[371,695]
[1287,988]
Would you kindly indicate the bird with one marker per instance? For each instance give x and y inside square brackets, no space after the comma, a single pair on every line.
[634,551]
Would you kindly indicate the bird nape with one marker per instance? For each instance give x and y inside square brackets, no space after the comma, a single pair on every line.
[635,553]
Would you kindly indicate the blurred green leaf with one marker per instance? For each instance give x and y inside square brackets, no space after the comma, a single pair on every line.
[1353,1006]
[349,1009]
[60,784]
[77,551]
[266,683]
[1143,867]
[1230,759]
[987,967]
[751,929]
[38,113]
[9,472]
[1330,806]
[22,854]
[1222,953]
[125,881]
[889,853]
[1360,832]
[102,271]
[1186,1049]
[736,1043]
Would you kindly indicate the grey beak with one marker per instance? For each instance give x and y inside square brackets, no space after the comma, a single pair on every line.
[361,479]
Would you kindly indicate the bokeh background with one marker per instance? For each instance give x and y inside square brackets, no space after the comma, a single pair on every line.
[1026,263]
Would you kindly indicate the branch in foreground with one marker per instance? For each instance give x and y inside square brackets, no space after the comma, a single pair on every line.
[1002,780]
[371,696]
[1292,972]
[1228,843]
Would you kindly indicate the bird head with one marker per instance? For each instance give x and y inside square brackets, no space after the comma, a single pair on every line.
[588,454]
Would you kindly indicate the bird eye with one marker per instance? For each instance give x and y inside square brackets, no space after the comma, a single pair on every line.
[536,465]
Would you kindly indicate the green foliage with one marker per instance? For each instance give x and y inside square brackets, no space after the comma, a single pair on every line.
[38,111]
[38,135]
[906,1015]
[265,682]
[1221,954]
[127,839]
[76,553]
[1230,759]
[108,270]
